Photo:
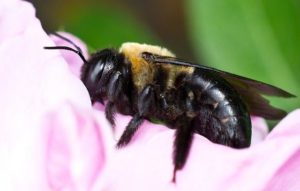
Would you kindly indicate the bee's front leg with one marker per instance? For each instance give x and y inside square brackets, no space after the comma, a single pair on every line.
[114,88]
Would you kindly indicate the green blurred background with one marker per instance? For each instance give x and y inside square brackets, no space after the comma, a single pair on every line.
[259,39]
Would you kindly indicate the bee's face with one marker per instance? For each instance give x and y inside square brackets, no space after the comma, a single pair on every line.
[95,73]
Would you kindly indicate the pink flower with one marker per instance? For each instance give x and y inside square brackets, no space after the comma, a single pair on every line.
[52,139]
[49,136]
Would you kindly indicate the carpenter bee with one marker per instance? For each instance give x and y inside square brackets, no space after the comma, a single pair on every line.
[148,82]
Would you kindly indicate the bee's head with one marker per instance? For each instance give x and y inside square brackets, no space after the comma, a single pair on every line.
[96,72]
[98,69]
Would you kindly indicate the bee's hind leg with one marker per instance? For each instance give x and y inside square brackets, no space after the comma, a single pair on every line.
[182,143]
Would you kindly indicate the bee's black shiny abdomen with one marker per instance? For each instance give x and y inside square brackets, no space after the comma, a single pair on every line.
[222,116]
[207,105]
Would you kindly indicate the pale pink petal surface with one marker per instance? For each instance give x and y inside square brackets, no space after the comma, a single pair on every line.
[77,148]
[34,82]
[259,130]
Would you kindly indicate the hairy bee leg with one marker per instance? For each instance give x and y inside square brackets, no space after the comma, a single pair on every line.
[145,102]
[110,113]
[182,144]
[131,128]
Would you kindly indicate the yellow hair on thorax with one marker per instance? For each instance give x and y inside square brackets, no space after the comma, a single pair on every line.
[142,71]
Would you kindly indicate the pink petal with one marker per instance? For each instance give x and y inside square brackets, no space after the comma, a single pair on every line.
[9,28]
[33,82]
[288,127]
[76,148]
[259,130]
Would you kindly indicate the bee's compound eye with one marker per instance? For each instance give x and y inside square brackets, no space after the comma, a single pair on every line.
[92,76]
[96,71]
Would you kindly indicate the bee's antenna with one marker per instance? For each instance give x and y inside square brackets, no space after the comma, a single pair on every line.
[77,49]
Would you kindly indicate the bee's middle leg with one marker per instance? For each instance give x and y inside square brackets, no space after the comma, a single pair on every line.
[146,101]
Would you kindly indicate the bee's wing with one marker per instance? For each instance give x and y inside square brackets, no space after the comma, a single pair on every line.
[249,89]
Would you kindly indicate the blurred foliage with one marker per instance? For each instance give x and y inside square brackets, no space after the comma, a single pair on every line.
[100,27]
[259,39]
[254,38]
[105,23]
[98,23]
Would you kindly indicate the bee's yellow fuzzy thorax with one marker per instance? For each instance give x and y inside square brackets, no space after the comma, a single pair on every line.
[142,71]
